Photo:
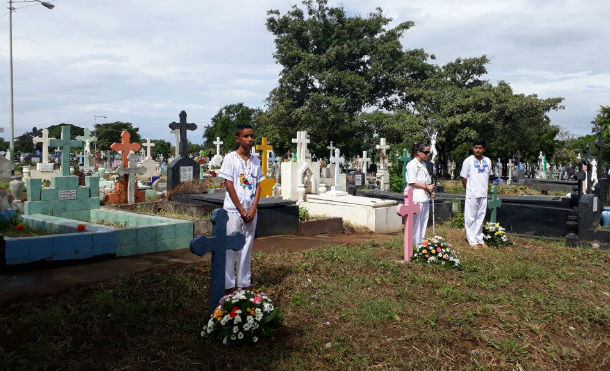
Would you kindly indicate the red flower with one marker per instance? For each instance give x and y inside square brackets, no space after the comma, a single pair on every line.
[438,249]
[81,228]
[19,227]
[233,312]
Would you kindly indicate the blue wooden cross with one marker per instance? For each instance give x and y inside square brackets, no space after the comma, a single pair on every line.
[494,204]
[218,244]
[405,160]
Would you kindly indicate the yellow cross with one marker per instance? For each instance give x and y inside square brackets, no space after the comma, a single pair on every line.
[264,147]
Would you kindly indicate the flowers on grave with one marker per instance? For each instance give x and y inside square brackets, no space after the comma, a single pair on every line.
[242,317]
[495,235]
[81,228]
[212,172]
[436,250]
[19,227]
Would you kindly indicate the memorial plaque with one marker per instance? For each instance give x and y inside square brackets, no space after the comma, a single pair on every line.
[45,167]
[358,180]
[68,194]
[186,173]
[35,160]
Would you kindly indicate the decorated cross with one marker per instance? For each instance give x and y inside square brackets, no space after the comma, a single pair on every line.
[331,148]
[125,146]
[87,138]
[408,211]
[405,158]
[494,204]
[365,161]
[183,126]
[383,147]
[177,146]
[337,160]
[132,170]
[148,144]
[264,148]
[45,145]
[218,143]
[66,145]
[218,245]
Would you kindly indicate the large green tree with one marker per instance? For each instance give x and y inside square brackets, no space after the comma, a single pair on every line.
[163,148]
[602,123]
[223,126]
[109,133]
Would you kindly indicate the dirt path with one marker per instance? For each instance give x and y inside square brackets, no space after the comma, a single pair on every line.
[52,280]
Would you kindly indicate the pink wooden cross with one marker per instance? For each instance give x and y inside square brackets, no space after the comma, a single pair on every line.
[125,146]
[408,211]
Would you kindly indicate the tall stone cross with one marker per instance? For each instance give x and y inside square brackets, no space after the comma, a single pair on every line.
[405,158]
[365,161]
[383,147]
[337,160]
[331,148]
[301,141]
[66,145]
[218,245]
[408,210]
[87,138]
[264,148]
[177,146]
[132,171]
[494,204]
[45,145]
[218,143]
[509,168]
[125,146]
[183,126]
[148,144]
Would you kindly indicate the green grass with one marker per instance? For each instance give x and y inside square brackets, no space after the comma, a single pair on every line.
[534,305]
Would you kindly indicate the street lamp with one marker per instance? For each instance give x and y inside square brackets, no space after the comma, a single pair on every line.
[11,9]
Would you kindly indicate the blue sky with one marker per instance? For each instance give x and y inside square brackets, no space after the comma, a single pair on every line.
[143,61]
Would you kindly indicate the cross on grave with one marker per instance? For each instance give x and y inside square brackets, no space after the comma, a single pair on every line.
[125,146]
[218,245]
[45,145]
[405,158]
[331,148]
[148,144]
[301,141]
[80,158]
[66,145]
[253,151]
[218,142]
[494,204]
[87,138]
[383,157]
[365,161]
[132,170]
[177,146]
[408,210]
[337,160]
[183,126]
[509,168]
[264,148]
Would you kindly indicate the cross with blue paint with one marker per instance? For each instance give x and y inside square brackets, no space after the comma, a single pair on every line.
[494,204]
[218,245]
[405,158]
[66,144]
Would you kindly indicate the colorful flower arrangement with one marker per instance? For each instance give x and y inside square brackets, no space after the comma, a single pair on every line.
[242,317]
[495,235]
[436,250]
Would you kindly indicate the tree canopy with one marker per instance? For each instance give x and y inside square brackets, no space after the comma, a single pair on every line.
[109,133]
[223,126]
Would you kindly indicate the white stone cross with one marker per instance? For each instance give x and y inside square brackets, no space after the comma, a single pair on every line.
[45,145]
[176,132]
[337,160]
[218,142]
[509,167]
[301,141]
[383,164]
[331,148]
[132,170]
[253,151]
[148,144]
[364,160]
[87,138]
[451,168]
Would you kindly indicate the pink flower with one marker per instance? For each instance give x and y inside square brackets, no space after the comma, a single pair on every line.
[257,299]
[438,249]
[425,242]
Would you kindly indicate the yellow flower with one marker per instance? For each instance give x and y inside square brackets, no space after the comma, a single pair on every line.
[251,311]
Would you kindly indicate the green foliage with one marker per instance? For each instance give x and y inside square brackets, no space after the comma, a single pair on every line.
[303,214]
[109,133]
[4,144]
[396,181]
[162,147]
[456,221]
[223,126]
[602,123]
[55,131]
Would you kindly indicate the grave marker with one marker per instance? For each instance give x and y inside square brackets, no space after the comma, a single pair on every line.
[87,138]
[131,171]
[182,168]
[408,210]
[183,126]
[494,204]
[267,184]
[45,146]
[66,144]
[337,160]
[124,147]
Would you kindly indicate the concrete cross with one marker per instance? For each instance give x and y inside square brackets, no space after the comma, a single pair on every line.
[408,210]
[183,126]
[148,144]
[331,148]
[218,245]
[264,148]
[337,160]
[301,141]
[125,146]
[494,204]
[132,171]
[218,142]
[87,138]
[66,145]
[365,161]
[509,168]
[383,147]
[405,158]
[45,145]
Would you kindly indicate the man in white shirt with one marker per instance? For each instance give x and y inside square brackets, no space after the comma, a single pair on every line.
[475,178]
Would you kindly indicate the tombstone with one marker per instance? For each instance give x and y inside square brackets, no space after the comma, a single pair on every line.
[132,171]
[87,138]
[44,165]
[151,166]
[405,158]
[183,168]
[6,169]
[217,159]
[301,140]
[383,175]
[218,245]
[125,147]
[66,145]
[337,160]
[509,169]
[121,188]
[408,210]
[300,176]
[267,184]
[365,162]
[494,204]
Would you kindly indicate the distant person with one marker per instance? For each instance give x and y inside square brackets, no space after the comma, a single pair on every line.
[242,173]
[419,179]
[475,173]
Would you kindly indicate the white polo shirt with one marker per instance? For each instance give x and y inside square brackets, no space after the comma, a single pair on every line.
[417,173]
[245,177]
[477,172]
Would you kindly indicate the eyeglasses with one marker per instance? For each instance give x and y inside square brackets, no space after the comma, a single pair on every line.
[425,152]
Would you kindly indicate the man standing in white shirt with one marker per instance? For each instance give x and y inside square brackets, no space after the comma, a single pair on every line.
[475,173]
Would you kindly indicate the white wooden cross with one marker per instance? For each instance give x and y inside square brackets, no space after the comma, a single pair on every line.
[132,170]
[148,144]
[509,167]
[218,143]
[301,141]
[337,160]
[176,132]
[383,164]
[331,148]
[364,160]
[45,145]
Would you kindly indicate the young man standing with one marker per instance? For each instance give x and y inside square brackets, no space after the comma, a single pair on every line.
[475,173]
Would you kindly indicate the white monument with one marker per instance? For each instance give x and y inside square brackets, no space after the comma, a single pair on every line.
[151,166]
[337,189]
[383,174]
[217,159]
[87,139]
[302,176]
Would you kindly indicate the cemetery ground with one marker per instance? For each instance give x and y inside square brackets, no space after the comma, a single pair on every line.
[534,305]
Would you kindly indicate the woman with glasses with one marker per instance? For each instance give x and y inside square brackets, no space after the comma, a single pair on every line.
[420,181]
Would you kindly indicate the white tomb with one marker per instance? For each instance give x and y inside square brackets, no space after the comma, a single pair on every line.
[300,177]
